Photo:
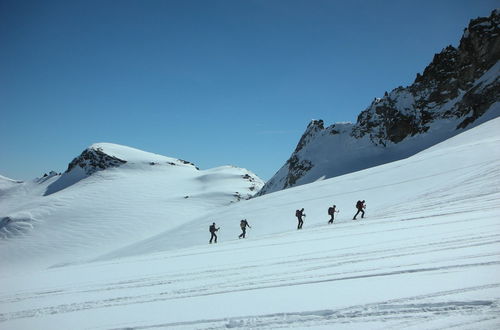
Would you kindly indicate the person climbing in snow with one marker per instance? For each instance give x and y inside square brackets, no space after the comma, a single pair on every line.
[299,214]
[213,230]
[331,211]
[243,225]
[360,205]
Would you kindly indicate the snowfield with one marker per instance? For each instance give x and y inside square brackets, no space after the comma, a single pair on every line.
[426,256]
[64,219]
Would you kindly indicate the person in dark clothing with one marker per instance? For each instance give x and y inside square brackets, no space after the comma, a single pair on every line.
[243,225]
[213,230]
[299,214]
[331,211]
[360,205]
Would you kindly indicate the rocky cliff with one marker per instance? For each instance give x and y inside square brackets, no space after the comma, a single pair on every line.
[459,89]
[94,159]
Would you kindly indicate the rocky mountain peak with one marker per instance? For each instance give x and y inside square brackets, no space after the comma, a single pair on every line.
[313,127]
[451,74]
[94,159]
[457,88]
[480,45]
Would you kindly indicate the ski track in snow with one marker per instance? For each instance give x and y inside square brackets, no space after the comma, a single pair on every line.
[397,313]
[300,270]
[427,257]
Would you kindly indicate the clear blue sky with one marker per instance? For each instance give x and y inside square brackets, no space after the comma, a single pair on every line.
[213,82]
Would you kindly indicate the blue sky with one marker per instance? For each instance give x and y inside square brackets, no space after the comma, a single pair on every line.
[213,82]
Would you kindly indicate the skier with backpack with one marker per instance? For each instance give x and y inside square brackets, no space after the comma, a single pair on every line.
[360,205]
[213,230]
[331,212]
[243,225]
[299,214]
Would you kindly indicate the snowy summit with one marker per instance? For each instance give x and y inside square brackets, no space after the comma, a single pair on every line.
[110,196]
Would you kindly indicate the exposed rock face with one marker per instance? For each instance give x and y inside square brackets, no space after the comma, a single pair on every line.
[92,160]
[452,74]
[455,90]
[314,127]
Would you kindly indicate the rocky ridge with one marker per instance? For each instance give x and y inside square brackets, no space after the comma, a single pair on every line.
[459,88]
[92,160]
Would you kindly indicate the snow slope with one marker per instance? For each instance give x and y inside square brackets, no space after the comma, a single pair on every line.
[90,210]
[426,256]
[6,183]
[458,90]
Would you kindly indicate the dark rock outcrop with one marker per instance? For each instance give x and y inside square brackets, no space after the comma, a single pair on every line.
[453,72]
[92,160]
[455,90]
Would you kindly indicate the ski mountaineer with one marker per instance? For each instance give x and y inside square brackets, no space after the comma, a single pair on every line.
[299,214]
[243,225]
[212,230]
[360,205]
[331,211]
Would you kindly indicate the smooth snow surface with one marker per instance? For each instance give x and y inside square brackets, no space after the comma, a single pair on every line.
[427,255]
[6,183]
[110,208]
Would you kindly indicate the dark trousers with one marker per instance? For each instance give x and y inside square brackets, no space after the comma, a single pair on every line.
[331,220]
[212,237]
[362,214]
[301,222]
[243,233]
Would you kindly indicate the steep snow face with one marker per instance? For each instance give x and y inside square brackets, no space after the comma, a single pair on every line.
[425,256]
[110,196]
[459,89]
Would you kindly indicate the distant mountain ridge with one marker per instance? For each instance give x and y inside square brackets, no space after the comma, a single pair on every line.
[112,195]
[103,156]
[459,89]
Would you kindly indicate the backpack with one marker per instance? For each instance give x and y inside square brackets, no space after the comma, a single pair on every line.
[211,228]
[330,210]
[298,213]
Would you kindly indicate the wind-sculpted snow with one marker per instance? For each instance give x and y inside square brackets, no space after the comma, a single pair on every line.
[426,256]
[7,184]
[63,218]
[13,226]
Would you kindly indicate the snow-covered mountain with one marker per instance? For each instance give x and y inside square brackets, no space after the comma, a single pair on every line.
[426,256]
[458,90]
[110,197]
[120,240]
[101,156]
[6,183]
